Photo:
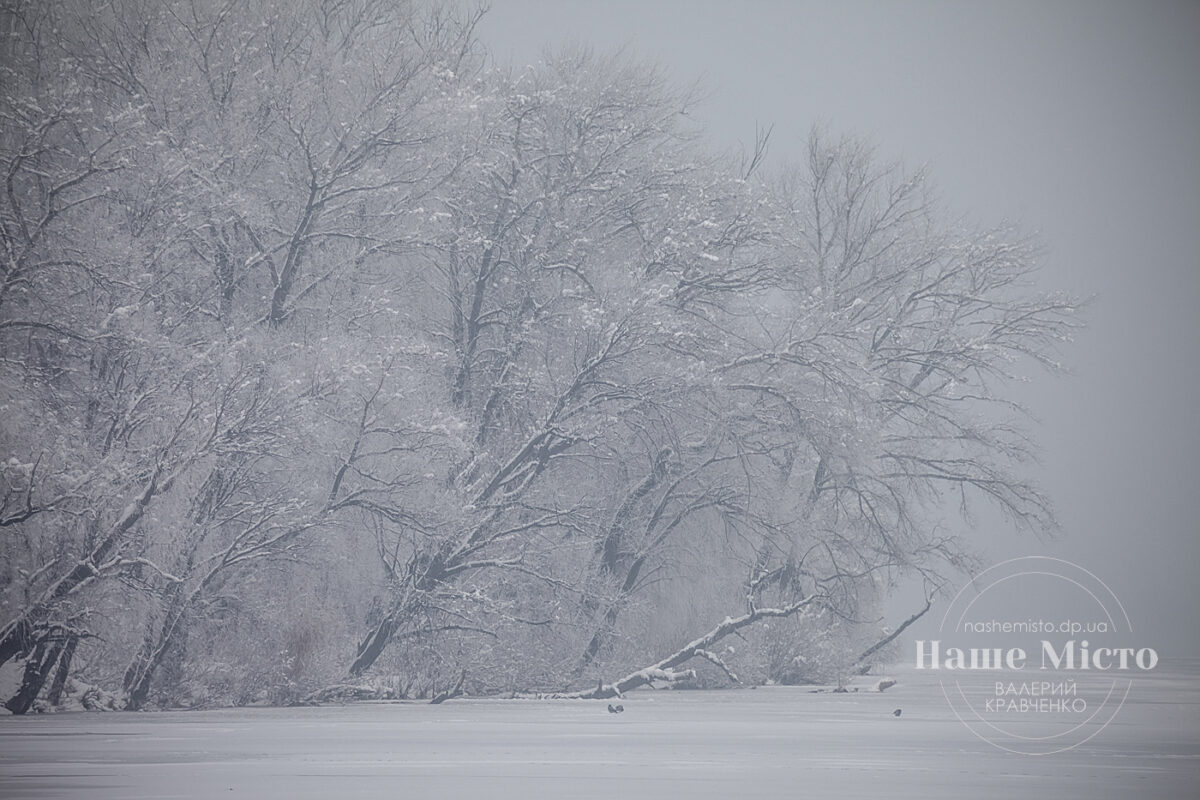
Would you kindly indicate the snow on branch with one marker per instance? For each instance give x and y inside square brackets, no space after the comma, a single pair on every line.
[665,670]
[715,659]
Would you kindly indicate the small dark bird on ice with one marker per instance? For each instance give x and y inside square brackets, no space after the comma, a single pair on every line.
[896,713]
[615,709]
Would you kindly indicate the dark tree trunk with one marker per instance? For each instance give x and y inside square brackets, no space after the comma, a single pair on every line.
[37,670]
[425,574]
[140,674]
[15,638]
[615,558]
[608,624]
[373,645]
[64,670]
[137,686]
[451,693]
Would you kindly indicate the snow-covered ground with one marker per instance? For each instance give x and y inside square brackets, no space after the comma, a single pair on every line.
[769,742]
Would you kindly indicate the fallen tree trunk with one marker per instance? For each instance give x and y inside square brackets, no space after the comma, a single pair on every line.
[665,670]
[884,642]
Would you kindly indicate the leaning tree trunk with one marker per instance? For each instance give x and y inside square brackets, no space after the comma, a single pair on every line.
[54,696]
[140,674]
[612,555]
[372,646]
[425,575]
[374,643]
[608,623]
[15,636]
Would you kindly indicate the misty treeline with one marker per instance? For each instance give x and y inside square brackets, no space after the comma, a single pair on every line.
[332,354]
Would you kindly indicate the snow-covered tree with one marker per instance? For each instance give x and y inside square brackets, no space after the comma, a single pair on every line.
[508,363]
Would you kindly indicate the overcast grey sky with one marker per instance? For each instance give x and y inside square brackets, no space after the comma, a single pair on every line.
[1077,120]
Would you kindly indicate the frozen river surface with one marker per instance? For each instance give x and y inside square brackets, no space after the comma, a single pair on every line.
[766,743]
